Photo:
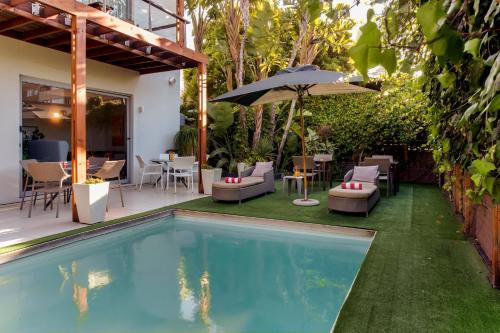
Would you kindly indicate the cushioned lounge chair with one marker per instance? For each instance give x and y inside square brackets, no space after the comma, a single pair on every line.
[356,201]
[248,188]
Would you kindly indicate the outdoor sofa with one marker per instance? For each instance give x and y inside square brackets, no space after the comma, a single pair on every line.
[250,186]
[356,201]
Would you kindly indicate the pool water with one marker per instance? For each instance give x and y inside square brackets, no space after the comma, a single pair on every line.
[180,274]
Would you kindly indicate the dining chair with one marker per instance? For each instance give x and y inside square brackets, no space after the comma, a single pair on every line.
[182,167]
[97,162]
[311,170]
[384,168]
[24,165]
[147,169]
[110,170]
[48,178]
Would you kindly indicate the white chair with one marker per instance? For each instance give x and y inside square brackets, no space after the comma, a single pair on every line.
[111,170]
[147,169]
[182,167]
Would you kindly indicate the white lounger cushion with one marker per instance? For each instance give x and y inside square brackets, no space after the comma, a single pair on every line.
[245,181]
[366,192]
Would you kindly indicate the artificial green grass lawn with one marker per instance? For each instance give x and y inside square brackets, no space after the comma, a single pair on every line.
[421,273]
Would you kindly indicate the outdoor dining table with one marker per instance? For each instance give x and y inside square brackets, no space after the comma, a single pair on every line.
[324,170]
[168,163]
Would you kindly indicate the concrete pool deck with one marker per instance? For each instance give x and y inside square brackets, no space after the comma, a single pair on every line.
[16,227]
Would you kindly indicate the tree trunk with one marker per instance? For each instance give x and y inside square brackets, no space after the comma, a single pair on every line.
[272,122]
[291,113]
[245,17]
[259,111]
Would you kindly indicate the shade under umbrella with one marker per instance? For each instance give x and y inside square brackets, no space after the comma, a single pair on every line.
[295,83]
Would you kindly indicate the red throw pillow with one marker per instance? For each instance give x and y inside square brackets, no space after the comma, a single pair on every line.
[351,186]
[233,180]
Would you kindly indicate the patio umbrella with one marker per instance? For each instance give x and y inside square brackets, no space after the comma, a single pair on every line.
[295,83]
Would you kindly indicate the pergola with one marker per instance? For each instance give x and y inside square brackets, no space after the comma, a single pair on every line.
[86,32]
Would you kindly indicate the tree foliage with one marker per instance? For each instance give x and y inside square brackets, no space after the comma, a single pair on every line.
[456,46]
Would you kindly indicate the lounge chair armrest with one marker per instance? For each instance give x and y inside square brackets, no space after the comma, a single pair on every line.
[247,172]
[348,175]
[269,177]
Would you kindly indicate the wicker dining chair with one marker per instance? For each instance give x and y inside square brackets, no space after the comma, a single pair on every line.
[110,170]
[48,178]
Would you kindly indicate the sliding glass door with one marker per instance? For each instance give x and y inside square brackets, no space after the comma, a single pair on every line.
[46,123]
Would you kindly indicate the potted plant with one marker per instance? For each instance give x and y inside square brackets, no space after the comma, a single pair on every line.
[209,175]
[91,198]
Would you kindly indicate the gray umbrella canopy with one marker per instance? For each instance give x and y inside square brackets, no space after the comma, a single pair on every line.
[290,83]
[295,83]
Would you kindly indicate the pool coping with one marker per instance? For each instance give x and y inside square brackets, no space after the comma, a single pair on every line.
[154,215]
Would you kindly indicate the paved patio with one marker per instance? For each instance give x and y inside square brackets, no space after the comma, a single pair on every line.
[16,227]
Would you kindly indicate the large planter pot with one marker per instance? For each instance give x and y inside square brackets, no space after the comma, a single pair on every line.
[209,176]
[91,200]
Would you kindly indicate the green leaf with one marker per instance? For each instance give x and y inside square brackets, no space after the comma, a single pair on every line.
[472,47]
[359,53]
[447,79]
[448,45]
[366,52]
[314,8]
[369,14]
[476,178]
[446,145]
[391,22]
[388,60]
[489,183]
[470,111]
[482,167]
[430,17]
[494,105]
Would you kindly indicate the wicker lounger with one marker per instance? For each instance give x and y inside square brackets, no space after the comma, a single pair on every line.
[249,187]
[355,201]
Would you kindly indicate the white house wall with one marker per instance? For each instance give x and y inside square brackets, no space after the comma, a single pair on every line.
[152,131]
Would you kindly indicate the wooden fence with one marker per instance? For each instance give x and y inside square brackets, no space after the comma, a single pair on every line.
[481,221]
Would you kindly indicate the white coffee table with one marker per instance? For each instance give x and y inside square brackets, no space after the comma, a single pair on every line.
[289,179]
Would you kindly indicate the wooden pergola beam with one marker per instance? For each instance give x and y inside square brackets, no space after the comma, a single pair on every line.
[105,20]
[78,103]
[202,121]
[14,23]
[159,69]
[40,32]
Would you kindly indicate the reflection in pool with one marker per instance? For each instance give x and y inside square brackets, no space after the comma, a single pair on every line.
[182,274]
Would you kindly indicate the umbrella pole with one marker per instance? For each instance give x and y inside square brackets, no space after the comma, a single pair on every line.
[304,164]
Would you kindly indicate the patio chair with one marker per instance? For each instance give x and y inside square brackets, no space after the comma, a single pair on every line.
[311,170]
[48,178]
[182,167]
[384,168]
[97,162]
[25,164]
[110,170]
[147,169]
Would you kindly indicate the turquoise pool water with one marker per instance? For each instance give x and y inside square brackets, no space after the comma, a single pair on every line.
[180,274]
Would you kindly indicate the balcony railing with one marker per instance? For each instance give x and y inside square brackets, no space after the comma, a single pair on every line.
[151,15]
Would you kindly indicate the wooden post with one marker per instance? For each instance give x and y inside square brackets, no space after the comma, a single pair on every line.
[180,25]
[78,103]
[202,121]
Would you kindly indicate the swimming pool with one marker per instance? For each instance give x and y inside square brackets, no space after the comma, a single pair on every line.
[185,274]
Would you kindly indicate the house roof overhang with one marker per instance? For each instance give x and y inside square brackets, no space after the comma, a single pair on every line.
[109,39]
